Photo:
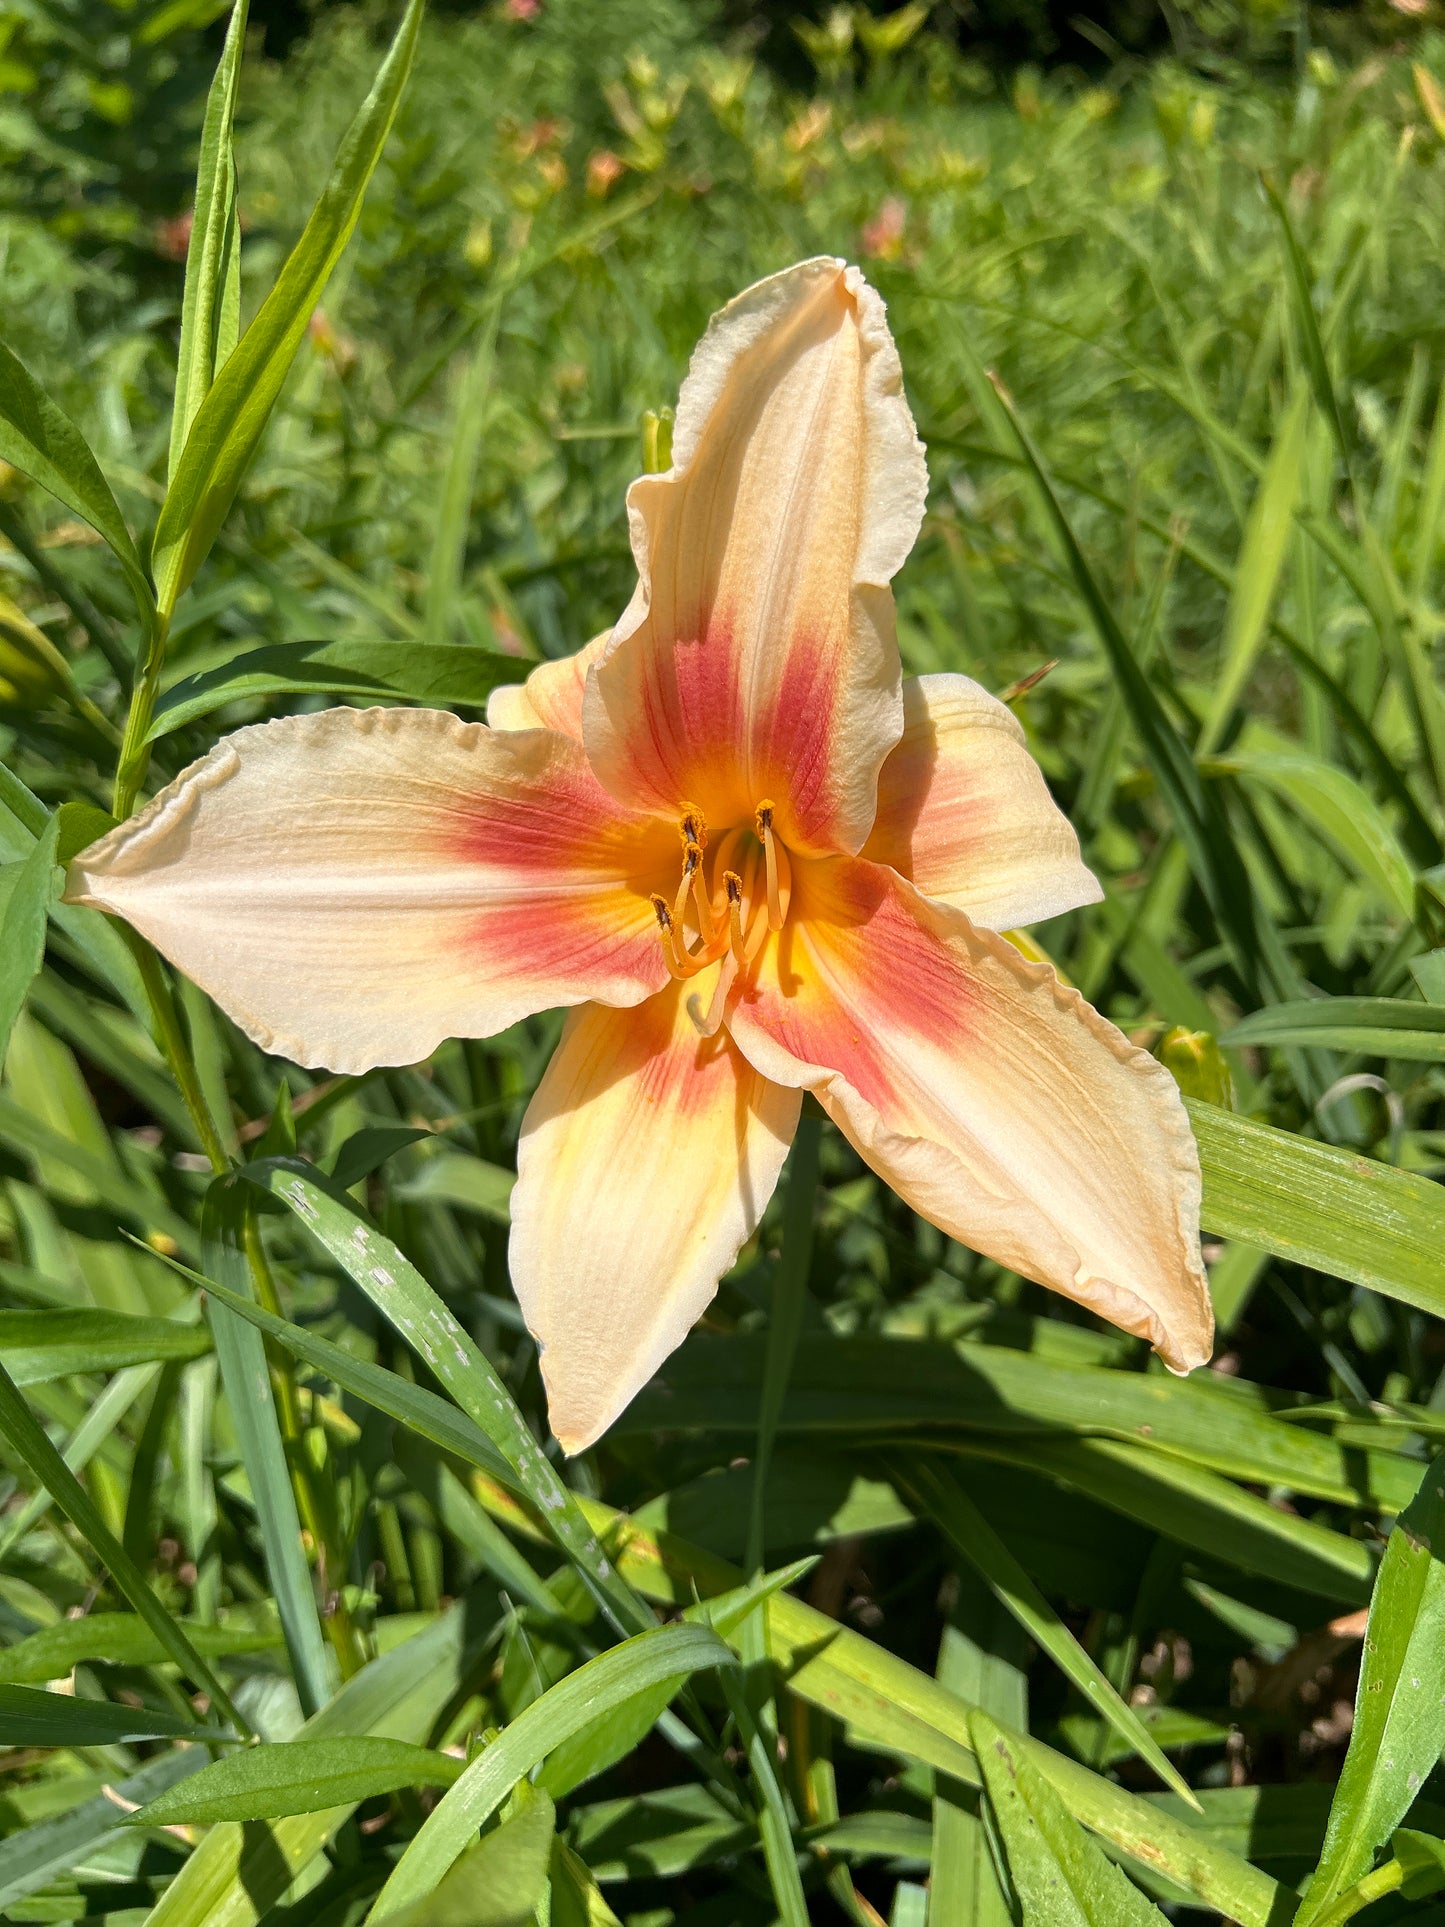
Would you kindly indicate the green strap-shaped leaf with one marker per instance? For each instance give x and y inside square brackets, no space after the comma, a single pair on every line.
[1333,804]
[26,891]
[959,1520]
[895,1708]
[40,1345]
[442,675]
[36,1854]
[666,1654]
[1060,1876]
[29,1716]
[1378,1026]
[1323,1207]
[1261,558]
[119,1639]
[298,1776]
[1399,1729]
[238,1872]
[1195,809]
[213,253]
[499,1882]
[247,1379]
[29,1441]
[403,1296]
[230,421]
[40,439]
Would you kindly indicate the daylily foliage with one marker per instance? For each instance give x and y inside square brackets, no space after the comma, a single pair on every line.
[751,859]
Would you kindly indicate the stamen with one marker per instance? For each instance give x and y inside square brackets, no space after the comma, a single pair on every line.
[667,934]
[763,818]
[691,863]
[733,884]
[693,827]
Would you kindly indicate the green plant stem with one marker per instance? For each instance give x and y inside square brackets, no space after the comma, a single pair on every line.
[166,1022]
[135,754]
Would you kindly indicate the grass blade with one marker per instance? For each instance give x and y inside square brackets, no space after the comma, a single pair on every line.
[666,1654]
[214,248]
[247,1379]
[970,1535]
[25,898]
[30,1443]
[1399,1729]
[40,439]
[298,1776]
[1059,1875]
[1378,1026]
[1321,1206]
[230,421]
[404,1297]
[1261,558]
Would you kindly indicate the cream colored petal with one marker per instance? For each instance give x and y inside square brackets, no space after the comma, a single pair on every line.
[551,697]
[354,886]
[645,1162]
[991,1097]
[757,657]
[964,812]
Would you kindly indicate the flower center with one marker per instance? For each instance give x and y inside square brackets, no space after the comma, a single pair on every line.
[725,907]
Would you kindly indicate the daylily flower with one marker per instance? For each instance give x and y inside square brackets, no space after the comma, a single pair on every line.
[752,860]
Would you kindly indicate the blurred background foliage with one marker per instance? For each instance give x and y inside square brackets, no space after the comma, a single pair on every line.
[1203,249]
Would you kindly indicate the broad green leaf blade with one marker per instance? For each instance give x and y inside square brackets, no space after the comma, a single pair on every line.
[1333,803]
[501,1881]
[29,1716]
[970,1534]
[247,1379]
[298,1776]
[120,1639]
[667,1653]
[1399,1729]
[239,1871]
[28,1440]
[26,892]
[230,421]
[403,1296]
[40,439]
[441,675]
[213,250]
[36,1854]
[1378,1026]
[1321,1206]
[40,1345]
[1061,1878]
[1266,542]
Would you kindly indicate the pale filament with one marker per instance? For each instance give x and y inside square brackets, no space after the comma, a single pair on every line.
[734,918]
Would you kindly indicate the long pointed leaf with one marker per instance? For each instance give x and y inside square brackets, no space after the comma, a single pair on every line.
[230,421]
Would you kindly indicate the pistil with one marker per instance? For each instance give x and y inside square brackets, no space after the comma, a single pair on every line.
[763,818]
